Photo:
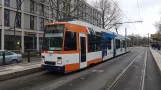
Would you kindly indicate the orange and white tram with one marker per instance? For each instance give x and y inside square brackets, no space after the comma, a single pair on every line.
[73,45]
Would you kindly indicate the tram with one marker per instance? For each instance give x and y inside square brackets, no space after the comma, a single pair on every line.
[72,45]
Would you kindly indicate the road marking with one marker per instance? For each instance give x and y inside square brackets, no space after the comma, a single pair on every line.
[71,84]
[98,71]
[143,72]
[82,78]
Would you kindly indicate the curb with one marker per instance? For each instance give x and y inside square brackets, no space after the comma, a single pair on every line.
[19,73]
[157,58]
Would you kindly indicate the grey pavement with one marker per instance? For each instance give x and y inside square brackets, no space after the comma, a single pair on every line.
[32,59]
[19,69]
[157,57]
[159,51]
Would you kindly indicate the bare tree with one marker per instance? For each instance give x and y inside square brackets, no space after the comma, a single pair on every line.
[157,25]
[138,40]
[110,13]
[64,8]
[59,9]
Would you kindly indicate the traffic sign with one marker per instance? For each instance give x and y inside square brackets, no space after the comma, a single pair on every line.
[155,36]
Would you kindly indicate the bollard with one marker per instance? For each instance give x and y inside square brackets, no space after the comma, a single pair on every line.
[4,58]
[28,56]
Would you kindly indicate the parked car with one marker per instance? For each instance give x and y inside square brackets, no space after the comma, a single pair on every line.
[10,57]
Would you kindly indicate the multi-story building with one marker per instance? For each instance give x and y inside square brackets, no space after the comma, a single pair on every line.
[30,20]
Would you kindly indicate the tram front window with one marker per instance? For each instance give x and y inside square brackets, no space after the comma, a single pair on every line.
[53,37]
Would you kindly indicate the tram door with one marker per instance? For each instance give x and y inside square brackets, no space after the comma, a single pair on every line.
[82,50]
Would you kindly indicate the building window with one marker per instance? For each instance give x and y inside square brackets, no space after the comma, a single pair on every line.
[6,17]
[18,3]
[31,6]
[41,23]
[9,42]
[31,22]
[41,9]
[7,3]
[18,20]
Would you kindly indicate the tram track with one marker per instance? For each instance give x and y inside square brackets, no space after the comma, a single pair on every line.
[119,77]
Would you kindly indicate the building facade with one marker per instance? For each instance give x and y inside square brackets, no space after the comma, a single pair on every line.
[30,20]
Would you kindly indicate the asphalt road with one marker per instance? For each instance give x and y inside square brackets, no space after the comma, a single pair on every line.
[98,77]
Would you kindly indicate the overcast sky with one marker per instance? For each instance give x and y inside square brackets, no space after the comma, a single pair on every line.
[150,11]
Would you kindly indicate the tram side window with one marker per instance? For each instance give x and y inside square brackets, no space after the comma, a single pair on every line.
[91,44]
[117,43]
[98,43]
[109,43]
[70,41]
[105,43]
[123,43]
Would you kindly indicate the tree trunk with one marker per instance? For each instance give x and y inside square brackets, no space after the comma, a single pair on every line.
[103,19]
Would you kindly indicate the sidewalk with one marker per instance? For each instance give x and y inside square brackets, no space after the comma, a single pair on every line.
[157,56]
[159,51]
[20,69]
[32,59]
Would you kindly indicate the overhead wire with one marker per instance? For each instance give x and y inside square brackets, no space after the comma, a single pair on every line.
[124,15]
[139,10]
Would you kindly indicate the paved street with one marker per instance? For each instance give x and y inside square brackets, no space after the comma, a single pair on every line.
[105,76]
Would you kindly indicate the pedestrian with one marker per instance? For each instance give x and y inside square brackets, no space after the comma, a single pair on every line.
[158,46]
[152,45]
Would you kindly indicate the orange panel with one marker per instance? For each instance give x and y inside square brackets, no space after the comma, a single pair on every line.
[94,61]
[63,38]
[60,22]
[90,62]
[49,24]
[77,40]
[98,60]
[65,52]
[76,28]
[44,51]
[71,67]
[86,43]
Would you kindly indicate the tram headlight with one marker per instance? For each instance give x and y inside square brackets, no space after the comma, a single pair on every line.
[42,59]
[59,61]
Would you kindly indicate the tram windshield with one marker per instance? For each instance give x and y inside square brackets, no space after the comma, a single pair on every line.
[53,37]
